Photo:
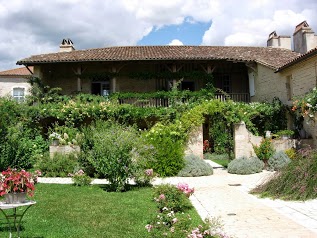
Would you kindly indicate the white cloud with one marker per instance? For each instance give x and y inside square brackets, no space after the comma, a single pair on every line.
[34,27]
[250,22]
[175,42]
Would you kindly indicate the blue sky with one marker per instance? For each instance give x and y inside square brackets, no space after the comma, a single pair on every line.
[189,33]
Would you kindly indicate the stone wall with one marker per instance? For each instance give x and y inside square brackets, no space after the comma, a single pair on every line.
[63,149]
[195,143]
[310,127]
[8,83]
[244,141]
[269,85]
[303,76]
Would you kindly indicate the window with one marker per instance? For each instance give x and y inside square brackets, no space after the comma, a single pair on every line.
[289,87]
[188,86]
[101,88]
[18,94]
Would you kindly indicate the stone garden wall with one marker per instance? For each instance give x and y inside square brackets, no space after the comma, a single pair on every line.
[244,141]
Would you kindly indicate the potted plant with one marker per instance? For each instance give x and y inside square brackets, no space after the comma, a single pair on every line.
[55,137]
[15,185]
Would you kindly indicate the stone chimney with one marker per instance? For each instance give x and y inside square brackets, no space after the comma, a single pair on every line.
[66,46]
[279,41]
[304,38]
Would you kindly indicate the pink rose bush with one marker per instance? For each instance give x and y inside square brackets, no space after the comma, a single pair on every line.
[185,189]
[172,221]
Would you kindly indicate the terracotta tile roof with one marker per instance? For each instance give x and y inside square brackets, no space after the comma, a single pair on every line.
[300,26]
[271,57]
[23,71]
[298,59]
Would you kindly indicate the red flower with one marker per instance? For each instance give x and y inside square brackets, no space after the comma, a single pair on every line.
[13,180]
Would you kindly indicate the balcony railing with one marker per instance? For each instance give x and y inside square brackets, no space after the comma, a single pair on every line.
[165,102]
[237,97]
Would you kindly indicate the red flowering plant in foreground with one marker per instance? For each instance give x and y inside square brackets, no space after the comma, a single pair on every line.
[14,181]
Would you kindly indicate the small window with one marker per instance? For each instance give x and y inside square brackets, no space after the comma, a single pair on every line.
[18,94]
[101,88]
[289,87]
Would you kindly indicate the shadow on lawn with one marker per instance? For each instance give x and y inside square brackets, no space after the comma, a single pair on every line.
[128,187]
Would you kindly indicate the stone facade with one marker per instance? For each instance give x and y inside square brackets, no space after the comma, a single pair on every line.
[195,143]
[268,85]
[244,141]
[8,83]
[303,76]
[63,149]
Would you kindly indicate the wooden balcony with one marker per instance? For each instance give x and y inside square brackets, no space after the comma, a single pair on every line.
[165,102]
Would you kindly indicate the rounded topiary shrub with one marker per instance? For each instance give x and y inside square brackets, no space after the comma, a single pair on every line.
[278,161]
[245,165]
[195,166]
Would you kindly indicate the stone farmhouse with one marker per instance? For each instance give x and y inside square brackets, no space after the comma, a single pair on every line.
[236,70]
[248,74]
[13,83]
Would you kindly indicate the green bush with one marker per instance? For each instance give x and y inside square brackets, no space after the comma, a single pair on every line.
[278,161]
[245,165]
[296,181]
[169,224]
[111,152]
[21,147]
[61,165]
[220,134]
[143,157]
[167,195]
[291,153]
[265,150]
[194,167]
[79,178]
[168,142]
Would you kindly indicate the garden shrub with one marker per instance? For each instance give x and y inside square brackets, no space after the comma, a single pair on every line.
[167,195]
[296,181]
[111,152]
[143,157]
[168,142]
[221,135]
[265,150]
[245,165]
[59,166]
[195,166]
[66,135]
[79,178]
[169,224]
[291,153]
[19,148]
[278,161]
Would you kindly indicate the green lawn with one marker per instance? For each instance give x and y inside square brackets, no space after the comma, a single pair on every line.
[222,162]
[69,211]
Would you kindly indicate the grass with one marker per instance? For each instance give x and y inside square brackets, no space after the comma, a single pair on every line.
[69,211]
[296,181]
[222,162]
[221,159]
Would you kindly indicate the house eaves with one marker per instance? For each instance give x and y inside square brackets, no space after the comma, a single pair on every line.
[298,59]
[22,71]
[271,57]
